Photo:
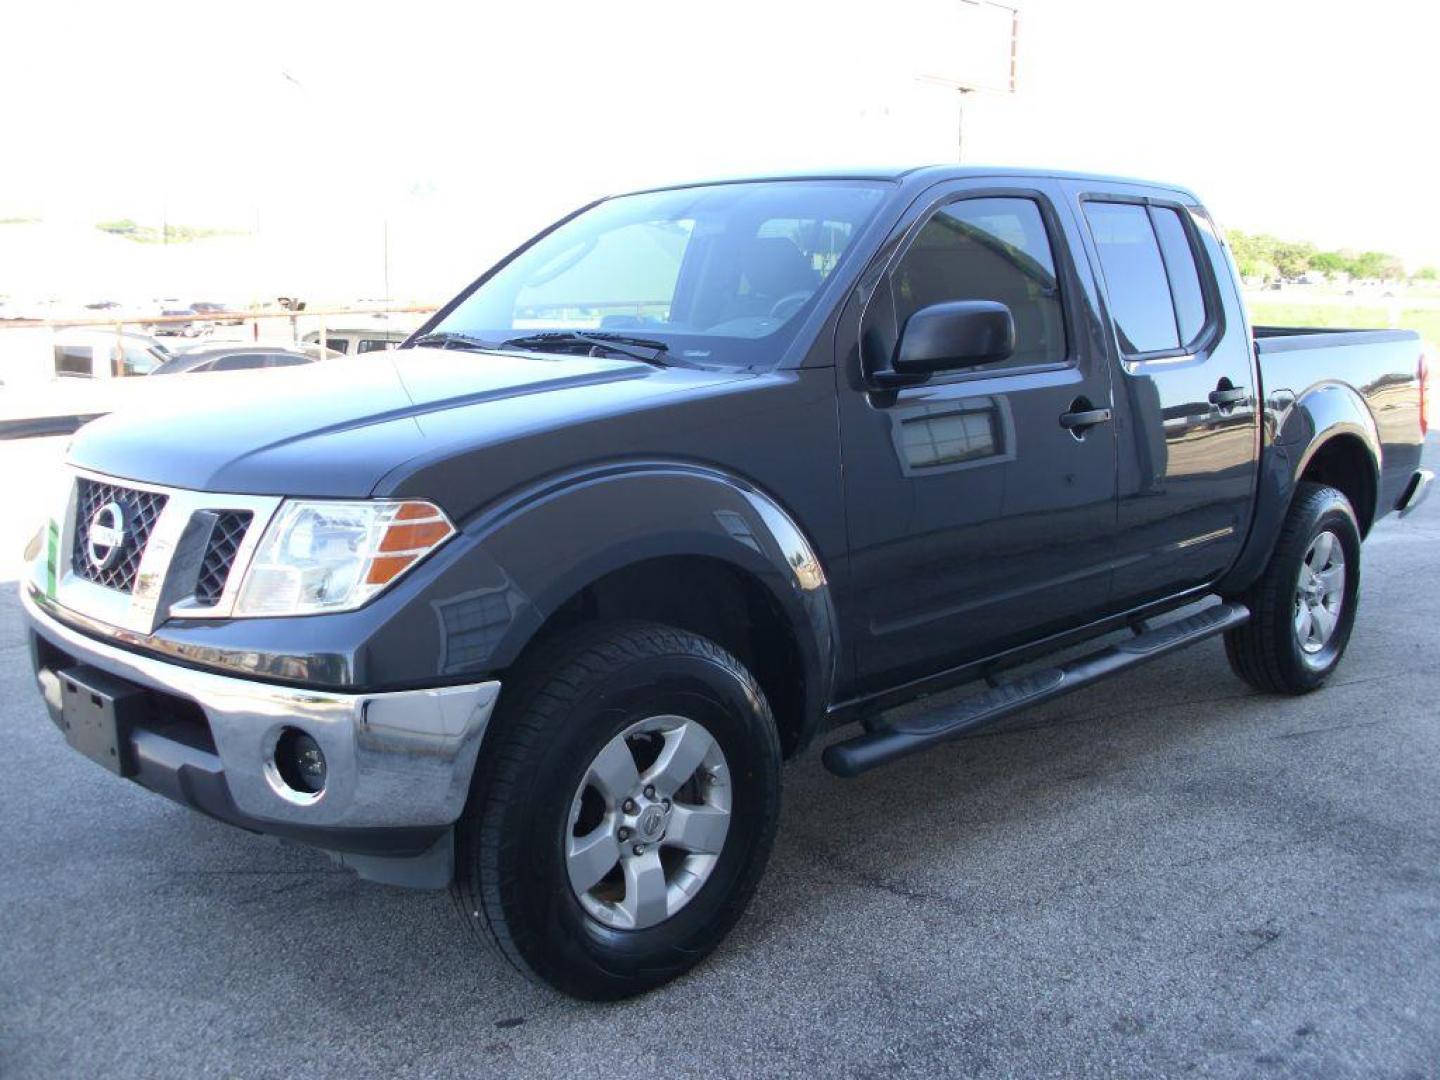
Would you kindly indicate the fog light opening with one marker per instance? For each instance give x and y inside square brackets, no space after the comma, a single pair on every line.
[300,762]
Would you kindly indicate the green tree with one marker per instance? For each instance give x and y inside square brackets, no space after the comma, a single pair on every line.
[1291,257]
[1377,264]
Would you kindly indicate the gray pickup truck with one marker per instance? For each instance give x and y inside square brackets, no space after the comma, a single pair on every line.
[536,605]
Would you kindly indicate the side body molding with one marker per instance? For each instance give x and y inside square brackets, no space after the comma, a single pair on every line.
[1295,429]
[550,541]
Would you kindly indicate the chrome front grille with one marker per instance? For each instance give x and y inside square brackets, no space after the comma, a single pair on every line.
[138,511]
[225,538]
[176,552]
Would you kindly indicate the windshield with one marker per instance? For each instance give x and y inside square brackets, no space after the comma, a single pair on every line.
[718,274]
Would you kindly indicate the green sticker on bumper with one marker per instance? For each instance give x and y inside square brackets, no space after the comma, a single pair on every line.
[52,557]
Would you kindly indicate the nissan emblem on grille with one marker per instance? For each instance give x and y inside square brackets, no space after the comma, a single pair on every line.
[112,529]
[105,536]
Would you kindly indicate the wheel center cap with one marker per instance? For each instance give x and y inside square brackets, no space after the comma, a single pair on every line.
[650,825]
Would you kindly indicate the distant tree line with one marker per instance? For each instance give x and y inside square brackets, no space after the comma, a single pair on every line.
[166,234]
[1260,255]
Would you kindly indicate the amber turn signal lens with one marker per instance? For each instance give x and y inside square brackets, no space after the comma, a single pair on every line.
[421,535]
[413,532]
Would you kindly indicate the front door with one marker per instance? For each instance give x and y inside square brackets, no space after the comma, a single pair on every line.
[976,520]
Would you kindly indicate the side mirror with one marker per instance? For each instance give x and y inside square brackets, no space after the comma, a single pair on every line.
[955,334]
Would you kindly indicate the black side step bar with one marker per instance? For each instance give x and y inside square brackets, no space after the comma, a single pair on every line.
[894,740]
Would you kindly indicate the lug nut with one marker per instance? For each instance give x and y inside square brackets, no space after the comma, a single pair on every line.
[649,791]
[624,834]
[639,849]
[628,806]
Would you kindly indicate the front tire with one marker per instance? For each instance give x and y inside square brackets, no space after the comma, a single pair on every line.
[623,809]
[1303,607]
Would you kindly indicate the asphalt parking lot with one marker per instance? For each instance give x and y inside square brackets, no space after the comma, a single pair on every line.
[1166,874]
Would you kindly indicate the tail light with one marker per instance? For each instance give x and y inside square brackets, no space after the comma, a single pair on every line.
[1424,373]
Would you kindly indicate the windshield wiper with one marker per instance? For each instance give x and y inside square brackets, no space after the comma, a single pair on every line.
[644,349]
[450,339]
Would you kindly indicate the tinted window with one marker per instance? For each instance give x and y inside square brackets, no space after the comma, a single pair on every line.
[1134,276]
[988,249]
[710,271]
[134,360]
[1184,274]
[73,360]
[285,360]
[337,344]
[239,361]
[375,345]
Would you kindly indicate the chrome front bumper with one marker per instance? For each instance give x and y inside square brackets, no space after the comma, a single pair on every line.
[395,761]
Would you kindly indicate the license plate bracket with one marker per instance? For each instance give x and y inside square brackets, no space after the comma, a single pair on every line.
[97,714]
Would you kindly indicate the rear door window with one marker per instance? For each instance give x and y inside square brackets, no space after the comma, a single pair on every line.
[1152,275]
[1135,277]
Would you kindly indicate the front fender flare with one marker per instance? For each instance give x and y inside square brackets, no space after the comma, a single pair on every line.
[550,541]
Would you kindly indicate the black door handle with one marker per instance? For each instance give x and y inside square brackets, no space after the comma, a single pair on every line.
[1228,396]
[1086,418]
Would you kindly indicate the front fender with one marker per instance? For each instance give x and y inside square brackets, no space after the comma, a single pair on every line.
[542,546]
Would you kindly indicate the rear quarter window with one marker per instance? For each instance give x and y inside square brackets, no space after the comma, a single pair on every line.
[1184,275]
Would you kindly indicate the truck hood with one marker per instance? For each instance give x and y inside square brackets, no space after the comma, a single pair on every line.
[337,429]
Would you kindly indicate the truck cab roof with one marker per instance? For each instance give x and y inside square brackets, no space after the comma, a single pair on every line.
[917,176]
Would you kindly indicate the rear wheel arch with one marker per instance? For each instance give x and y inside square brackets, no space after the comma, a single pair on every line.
[1327,437]
[1345,461]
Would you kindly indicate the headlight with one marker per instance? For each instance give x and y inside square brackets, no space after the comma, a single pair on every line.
[334,556]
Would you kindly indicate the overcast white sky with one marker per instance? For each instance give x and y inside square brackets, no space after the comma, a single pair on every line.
[467,126]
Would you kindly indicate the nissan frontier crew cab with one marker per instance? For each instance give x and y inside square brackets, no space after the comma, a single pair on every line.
[536,605]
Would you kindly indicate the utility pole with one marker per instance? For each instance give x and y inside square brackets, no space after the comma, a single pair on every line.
[960,124]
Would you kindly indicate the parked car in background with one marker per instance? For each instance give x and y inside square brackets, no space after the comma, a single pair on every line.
[355,338]
[180,321]
[237,357]
[351,341]
[219,314]
[106,354]
[55,383]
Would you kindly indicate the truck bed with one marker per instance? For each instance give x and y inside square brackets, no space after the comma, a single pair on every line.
[1381,366]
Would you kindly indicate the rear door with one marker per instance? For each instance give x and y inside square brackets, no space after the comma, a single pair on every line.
[1187,420]
[976,520]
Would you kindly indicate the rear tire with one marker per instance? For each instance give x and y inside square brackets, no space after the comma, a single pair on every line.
[1303,607]
[589,731]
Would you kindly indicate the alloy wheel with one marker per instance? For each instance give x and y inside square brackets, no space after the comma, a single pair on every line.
[648,822]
